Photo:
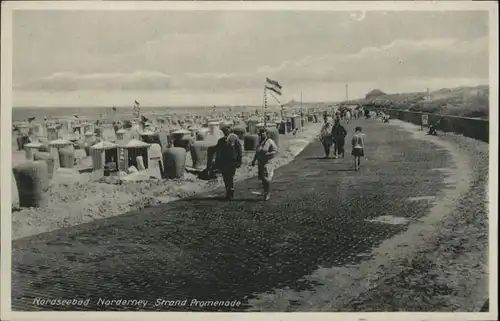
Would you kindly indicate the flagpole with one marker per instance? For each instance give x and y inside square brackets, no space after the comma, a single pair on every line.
[273,86]
[265,105]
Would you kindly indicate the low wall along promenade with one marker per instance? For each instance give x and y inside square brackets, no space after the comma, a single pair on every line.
[471,127]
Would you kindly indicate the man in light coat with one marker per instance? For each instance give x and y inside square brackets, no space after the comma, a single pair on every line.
[265,153]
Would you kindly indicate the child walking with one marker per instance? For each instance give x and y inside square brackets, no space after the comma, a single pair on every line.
[358,145]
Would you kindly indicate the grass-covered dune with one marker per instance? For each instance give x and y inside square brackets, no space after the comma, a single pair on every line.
[460,101]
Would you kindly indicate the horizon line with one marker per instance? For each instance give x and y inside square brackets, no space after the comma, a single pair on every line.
[179,106]
[251,105]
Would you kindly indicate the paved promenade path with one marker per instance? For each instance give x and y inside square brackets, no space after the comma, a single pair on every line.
[321,214]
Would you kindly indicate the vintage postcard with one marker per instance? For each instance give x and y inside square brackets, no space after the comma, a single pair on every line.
[325,160]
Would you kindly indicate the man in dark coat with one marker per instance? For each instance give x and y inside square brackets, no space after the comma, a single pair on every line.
[228,158]
[339,133]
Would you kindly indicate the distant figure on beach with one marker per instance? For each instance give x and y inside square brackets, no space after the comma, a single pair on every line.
[116,126]
[266,150]
[326,139]
[228,158]
[77,126]
[358,145]
[30,126]
[143,123]
[338,133]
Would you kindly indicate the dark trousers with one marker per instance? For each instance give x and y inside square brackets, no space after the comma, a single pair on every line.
[339,147]
[326,147]
[228,176]
[21,141]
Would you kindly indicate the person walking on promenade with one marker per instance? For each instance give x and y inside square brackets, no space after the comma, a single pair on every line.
[339,133]
[228,158]
[336,117]
[347,116]
[325,136]
[358,145]
[266,150]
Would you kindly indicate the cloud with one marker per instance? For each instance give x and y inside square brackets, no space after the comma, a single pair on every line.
[219,42]
[428,58]
[70,81]
[401,59]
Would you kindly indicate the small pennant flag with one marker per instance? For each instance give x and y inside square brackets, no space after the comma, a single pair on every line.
[273,86]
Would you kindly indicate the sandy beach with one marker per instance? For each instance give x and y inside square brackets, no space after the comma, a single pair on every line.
[75,198]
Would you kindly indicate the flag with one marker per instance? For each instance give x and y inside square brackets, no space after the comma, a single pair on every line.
[275,97]
[277,91]
[273,83]
[273,86]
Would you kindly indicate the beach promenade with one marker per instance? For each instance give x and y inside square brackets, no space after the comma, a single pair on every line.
[322,241]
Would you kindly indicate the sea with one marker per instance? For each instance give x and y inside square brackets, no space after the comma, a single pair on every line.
[23,113]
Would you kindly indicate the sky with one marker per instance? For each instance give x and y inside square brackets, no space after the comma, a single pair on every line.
[168,58]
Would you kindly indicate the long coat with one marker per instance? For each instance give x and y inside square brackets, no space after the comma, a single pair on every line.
[339,133]
[228,152]
[326,135]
